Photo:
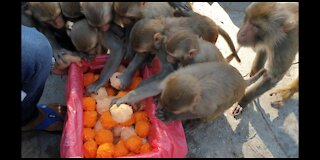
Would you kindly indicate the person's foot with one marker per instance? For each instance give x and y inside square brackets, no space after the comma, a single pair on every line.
[50,118]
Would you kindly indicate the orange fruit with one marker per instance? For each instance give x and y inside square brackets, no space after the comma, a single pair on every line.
[105,150]
[131,154]
[140,115]
[111,91]
[145,148]
[121,93]
[104,136]
[134,84]
[128,122]
[106,120]
[88,133]
[142,128]
[89,118]
[90,149]
[120,149]
[89,103]
[88,78]
[134,143]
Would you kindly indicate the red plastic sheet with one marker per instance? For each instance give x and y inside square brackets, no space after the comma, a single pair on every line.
[168,140]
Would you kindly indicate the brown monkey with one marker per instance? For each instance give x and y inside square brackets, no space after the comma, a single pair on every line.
[47,18]
[128,13]
[187,48]
[85,38]
[285,93]
[98,14]
[47,12]
[89,40]
[271,29]
[202,90]
[71,10]
[153,31]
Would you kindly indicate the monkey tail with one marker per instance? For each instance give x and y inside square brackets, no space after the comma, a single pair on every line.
[254,78]
[234,54]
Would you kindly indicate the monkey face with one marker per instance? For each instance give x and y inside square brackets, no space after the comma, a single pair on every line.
[57,23]
[247,34]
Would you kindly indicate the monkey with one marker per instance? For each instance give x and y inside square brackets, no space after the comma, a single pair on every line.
[153,31]
[186,47]
[202,90]
[271,29]
[47,12]
[71,10]
[181,48]
[128,13]
[98,14]
[47,18]
[92,41]
[285,93]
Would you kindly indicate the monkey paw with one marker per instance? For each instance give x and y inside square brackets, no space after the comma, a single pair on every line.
[93,88]
[160,114]
[281,95]
[237,111]
[125,81]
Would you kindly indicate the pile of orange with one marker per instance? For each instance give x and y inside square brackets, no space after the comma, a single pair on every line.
[102,142]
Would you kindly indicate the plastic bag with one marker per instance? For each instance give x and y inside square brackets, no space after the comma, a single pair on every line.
[168,140]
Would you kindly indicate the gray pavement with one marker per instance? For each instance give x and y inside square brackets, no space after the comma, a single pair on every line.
[262,131]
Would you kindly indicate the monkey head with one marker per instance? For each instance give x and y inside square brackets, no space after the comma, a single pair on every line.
[47,12]
[181,47]
[265,23]
[128,13]
[84,37]
[146,35]
[70,9]
[98,14]
[180,93]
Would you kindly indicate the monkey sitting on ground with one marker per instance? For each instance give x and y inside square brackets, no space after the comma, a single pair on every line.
[272,30]
[202,90]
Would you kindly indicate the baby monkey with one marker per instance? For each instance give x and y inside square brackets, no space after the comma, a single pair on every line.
[202,90]
[185,47]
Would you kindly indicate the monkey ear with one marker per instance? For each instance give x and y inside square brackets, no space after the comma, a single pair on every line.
[157,38]
[193,53]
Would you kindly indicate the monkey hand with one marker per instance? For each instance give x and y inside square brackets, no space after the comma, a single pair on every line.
[65,57]
[181,5]
[163,115]
[237,111]
[121,100]
[94,87]
[125,81]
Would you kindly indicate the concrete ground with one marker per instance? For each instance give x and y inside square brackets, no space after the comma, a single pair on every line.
[261,131]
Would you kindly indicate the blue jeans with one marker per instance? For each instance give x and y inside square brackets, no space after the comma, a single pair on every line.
[36,54]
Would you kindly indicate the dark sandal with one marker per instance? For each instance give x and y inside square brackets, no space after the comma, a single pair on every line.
[50,117]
